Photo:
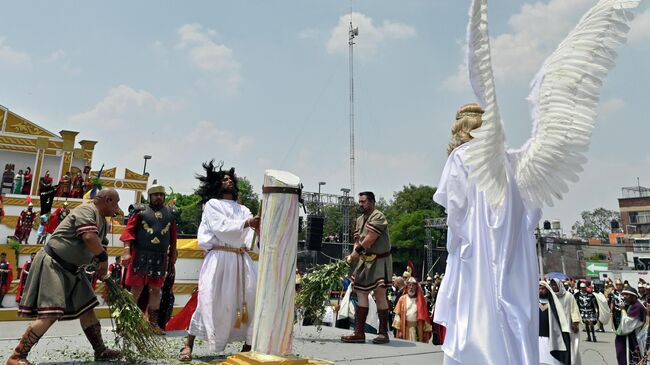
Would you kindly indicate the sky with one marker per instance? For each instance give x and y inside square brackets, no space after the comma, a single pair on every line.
[265,85]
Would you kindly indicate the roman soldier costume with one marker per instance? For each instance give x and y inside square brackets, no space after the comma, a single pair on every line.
[152,240]
[6,277]
[25,224]
[57,217]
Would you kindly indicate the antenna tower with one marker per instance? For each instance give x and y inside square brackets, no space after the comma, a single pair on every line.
[352,34]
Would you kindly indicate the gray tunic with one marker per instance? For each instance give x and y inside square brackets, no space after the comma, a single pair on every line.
[374,271]
[55,291]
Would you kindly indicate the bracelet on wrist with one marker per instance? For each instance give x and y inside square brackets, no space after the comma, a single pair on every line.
[102,257]
[359,249]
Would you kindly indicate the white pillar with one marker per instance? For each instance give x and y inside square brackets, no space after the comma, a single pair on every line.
[276,292]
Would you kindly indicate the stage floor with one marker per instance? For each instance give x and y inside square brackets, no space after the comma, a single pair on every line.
[66,344]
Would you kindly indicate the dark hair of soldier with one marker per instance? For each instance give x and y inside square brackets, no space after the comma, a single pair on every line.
[210,184]
[369,195]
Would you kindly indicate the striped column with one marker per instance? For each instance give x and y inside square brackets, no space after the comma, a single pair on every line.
[276,280]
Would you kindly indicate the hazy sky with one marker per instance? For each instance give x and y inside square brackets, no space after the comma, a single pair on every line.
[264,84]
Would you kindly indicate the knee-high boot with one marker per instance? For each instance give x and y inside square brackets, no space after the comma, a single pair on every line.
[383,327]
[94,336]
[19,356]
[359,335]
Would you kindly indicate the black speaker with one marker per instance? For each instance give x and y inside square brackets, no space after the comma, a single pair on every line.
[547,225]
[614,224]
[314,232]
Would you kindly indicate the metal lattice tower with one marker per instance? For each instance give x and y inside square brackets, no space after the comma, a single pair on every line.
[344,203]
[352,33]
[430,224]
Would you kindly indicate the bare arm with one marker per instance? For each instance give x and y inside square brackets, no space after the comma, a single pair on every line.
[94,245]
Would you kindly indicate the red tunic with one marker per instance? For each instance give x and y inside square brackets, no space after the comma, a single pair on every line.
[23,279]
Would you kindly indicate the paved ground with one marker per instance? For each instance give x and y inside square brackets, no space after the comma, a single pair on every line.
[66,344]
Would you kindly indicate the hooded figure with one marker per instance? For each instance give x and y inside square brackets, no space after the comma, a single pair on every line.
[554,339]
[572,315]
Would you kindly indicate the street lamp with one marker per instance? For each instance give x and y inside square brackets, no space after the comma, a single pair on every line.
[320,183]
[144,170]
[538,238]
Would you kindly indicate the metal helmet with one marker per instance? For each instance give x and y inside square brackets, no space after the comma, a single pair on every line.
[156,188]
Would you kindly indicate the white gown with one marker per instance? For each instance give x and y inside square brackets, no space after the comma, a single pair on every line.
[488,300]
[220,287]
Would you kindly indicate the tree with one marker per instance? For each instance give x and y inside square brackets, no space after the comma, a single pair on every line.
[247,195]
[406,214]
[189,211]
[595,224]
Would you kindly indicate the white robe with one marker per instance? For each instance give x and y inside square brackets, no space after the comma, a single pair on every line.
[488,299]
[220,287]
[573,315]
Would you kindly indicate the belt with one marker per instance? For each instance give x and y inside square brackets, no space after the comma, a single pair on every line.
[239,250]
[373,257]
[74,269]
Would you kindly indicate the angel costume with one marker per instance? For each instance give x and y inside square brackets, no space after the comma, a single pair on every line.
[228,275]
[493,196]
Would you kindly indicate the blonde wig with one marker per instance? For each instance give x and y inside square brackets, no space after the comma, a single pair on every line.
[468,118]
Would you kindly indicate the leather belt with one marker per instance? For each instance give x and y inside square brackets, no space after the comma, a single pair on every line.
[372,257]
[74,269]
[281,190]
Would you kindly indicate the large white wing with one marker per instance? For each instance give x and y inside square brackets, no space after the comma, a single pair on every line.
[563,100]
[486,152]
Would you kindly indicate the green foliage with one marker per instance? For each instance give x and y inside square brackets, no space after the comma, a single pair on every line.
[189,212]
[598,256]
[406,214]
[134,335]
[316,287]
[247,195]
[595,224]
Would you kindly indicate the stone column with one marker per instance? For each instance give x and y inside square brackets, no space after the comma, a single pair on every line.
[66,153]
[41,145]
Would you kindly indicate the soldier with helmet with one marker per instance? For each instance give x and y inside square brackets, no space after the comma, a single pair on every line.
[149,244]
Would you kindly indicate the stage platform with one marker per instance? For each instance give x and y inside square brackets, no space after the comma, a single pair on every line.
[65,344]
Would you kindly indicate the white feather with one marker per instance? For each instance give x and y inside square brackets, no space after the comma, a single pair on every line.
[563,99]
[486,152]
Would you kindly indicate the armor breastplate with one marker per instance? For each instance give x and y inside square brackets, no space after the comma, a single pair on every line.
[3,275]
[62,214]
[153,230]
[29,219]
[152,241]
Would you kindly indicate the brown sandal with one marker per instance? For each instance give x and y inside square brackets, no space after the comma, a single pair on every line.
[186,354]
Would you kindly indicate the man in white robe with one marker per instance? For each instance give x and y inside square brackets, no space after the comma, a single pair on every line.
[228,277]
[572,314]
[554,342]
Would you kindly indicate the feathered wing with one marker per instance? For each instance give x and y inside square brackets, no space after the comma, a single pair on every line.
[486,152]
[563,101]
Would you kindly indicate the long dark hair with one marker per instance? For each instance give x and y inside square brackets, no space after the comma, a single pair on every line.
[210,186]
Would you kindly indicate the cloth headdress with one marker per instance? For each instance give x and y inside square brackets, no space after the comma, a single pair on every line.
[562,291]
[630,290]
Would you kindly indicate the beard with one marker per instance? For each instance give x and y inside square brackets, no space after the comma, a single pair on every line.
[412,293]
[545,295]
